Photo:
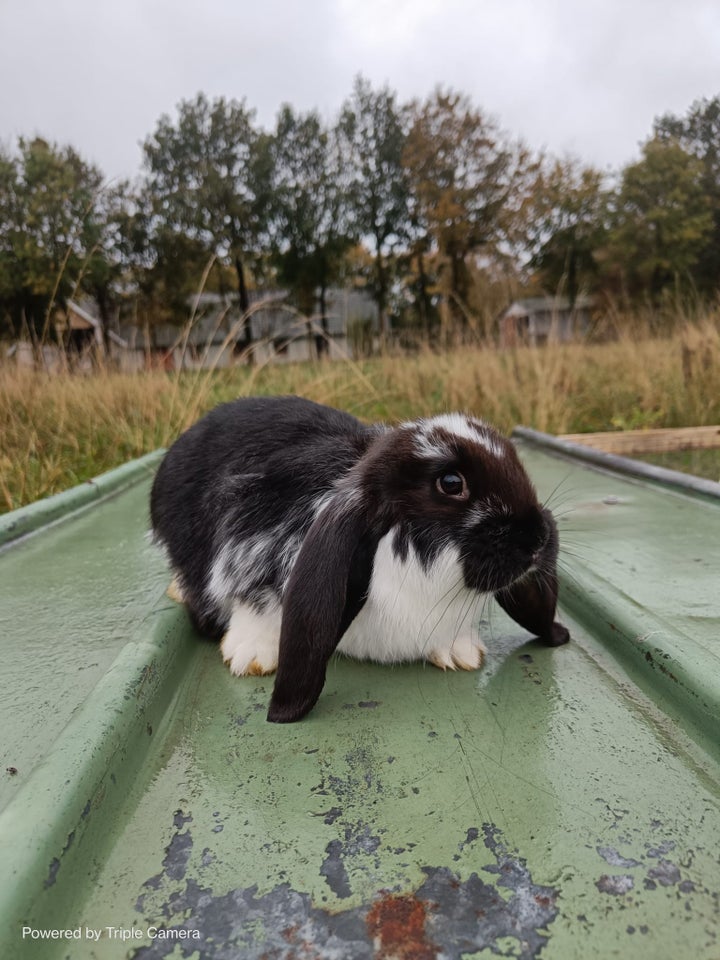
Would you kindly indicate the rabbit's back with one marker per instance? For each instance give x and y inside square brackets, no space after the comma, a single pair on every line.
[236,493]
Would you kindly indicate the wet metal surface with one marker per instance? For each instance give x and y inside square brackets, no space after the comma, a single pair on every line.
[71,598]
[559,803]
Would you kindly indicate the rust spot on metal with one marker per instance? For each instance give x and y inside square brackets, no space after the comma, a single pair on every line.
[660,666]
[396,925]
[290,933]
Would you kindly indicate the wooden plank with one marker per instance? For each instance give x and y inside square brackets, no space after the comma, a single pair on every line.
[649,441]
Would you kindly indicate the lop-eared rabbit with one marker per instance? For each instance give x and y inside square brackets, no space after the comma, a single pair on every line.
[293,530]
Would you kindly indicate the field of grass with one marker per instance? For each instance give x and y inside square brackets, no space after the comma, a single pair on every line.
[56,431]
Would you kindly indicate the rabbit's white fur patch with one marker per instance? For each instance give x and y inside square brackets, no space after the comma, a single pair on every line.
[244,562]
[413,613]
[410,614]
[430,441]
[250,645]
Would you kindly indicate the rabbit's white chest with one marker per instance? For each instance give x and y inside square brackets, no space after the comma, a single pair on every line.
[414,613]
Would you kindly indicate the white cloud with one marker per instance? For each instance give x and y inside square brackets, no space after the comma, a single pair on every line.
[586,77]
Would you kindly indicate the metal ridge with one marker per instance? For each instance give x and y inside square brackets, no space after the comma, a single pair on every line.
[684,482]
[40,514]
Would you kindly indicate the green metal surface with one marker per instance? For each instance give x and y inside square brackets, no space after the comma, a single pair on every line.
[560,803]
[19,523]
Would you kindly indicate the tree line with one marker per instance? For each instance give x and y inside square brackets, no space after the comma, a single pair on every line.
[430,205]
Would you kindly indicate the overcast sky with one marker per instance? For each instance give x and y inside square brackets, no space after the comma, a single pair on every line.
[579,76]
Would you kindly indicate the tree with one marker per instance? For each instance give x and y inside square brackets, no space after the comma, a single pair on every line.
[8,228]
[566,226]
[699,134]
[208,173]
[49,199]
[661,222]
[467,186]
[372,137]
[309,225]
[160,265]
[103,268]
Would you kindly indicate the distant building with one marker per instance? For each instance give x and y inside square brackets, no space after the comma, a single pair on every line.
[214,334]
[79,332]
[535,320]
[211,338]
[79,329]
[280,334]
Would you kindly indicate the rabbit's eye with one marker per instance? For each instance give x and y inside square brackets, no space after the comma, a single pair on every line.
[453,485]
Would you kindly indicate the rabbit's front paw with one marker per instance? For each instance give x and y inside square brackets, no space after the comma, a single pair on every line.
[465,652]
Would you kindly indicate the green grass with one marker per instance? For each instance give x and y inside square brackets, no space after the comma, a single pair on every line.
[56,431]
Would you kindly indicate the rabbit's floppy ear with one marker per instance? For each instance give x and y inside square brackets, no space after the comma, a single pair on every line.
[531,602]
[326,590]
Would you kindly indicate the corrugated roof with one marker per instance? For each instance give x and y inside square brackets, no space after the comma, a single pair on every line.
[561,802]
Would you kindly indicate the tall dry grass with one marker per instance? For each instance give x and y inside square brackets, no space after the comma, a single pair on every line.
[56,431]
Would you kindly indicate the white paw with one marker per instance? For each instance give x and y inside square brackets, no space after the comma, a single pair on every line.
[251,643]
[465,652]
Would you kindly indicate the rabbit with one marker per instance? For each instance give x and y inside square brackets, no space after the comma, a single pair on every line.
[293,529]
